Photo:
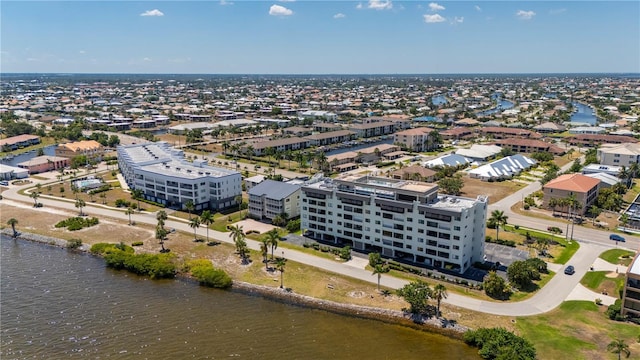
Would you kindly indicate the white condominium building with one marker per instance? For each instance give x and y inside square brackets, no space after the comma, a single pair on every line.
[397,218]
[167,178]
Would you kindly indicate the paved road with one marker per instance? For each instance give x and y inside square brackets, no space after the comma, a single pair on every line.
[556,291]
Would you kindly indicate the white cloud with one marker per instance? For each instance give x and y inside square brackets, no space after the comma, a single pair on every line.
[146,59]
[359,6]
[457,20]
[435,7]
[339,16]
[380,5]
[225,2]
[277,10]
[525,15]
[154,12]
[478,8]
[82,52]
[435,18]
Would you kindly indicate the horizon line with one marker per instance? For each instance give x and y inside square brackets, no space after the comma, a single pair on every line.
[326,74]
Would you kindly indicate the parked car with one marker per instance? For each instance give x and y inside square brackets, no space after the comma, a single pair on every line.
[616,237]
[569,270]
[4,183]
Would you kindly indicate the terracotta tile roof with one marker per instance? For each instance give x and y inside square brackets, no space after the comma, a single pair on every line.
[572,182]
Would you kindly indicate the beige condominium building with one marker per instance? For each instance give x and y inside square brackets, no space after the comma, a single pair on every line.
[399,219]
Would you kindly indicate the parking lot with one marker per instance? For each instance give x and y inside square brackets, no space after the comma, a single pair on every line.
[504,254]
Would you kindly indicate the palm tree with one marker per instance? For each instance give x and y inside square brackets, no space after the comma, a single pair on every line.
[280,263]
[553,202]
[80,204]
[35,195]
[13,222]
[236,233]
[624,220]
[625,175]
[136,194]
[190,207]
[161,216]
[250,152]
[273,236]
[595,211]
[103,196]
[264,249]
[270,151]
[129,211]
[206,219]
[161,233]
[194,223]
[499,219]
[380,269]
[439,293]
[225,147]
[619,347]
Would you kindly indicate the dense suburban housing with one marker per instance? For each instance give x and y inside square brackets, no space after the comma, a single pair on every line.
[397,218]
[167,178]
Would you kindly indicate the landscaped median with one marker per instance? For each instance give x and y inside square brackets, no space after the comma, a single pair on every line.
[557,249]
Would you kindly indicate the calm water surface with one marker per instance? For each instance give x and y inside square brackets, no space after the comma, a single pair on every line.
[57,305]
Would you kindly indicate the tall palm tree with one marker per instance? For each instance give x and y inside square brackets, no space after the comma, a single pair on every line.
[264,249]
[236,233]
[553,203]
[103,196]
[270,151]
[499,219]
[190,207]
[625,175]
[194,223]
[206,219]
[619,347]
[380,269]
[273,236]
[624,220]
[137,194]
[161,216]
[80,204]
[161,233]
[129,211]
[35,195]
[225,147]
[249,150]
[13,222]
[439,293]
[595,211]
[280,264]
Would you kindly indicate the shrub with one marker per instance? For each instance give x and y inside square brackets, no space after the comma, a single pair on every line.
[598,301]
[554,229]
[137,243]
[207,275]
[613,311]
[293,225]
[499,343]
[488,238]
[77,223]
[74,243]
[105,248]
[157,266]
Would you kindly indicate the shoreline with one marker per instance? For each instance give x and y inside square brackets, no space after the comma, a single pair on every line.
[427,324]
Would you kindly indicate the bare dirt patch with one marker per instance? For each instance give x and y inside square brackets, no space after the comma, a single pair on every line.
[496,191]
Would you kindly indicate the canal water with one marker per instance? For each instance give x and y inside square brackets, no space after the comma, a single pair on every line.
[57,304]
[17,159]
[584,114]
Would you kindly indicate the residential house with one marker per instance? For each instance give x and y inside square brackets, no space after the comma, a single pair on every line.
[417,139]
[619,154]
[501,169]
[448,160]
[584,188]
[92,149]
[414,172]
[479,152]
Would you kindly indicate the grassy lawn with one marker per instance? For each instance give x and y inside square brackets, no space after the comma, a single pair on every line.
[523,295]
[560,253]
[576,330]
[618,256]
[599,282]
[566,252]
[496,191]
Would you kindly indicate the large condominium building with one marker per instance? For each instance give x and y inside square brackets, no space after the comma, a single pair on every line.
[90,148]
[397,218]
[167,178]
[619,154]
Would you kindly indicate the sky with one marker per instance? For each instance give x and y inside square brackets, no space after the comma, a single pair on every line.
[320,37]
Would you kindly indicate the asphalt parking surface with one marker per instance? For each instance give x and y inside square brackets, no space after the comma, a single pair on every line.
[504,254]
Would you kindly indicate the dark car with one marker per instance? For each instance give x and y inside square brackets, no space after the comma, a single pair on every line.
[616,237]
[569,270]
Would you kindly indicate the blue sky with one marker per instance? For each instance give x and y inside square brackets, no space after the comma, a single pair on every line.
[320,37]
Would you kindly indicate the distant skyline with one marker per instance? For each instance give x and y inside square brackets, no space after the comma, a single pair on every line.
[320,37]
